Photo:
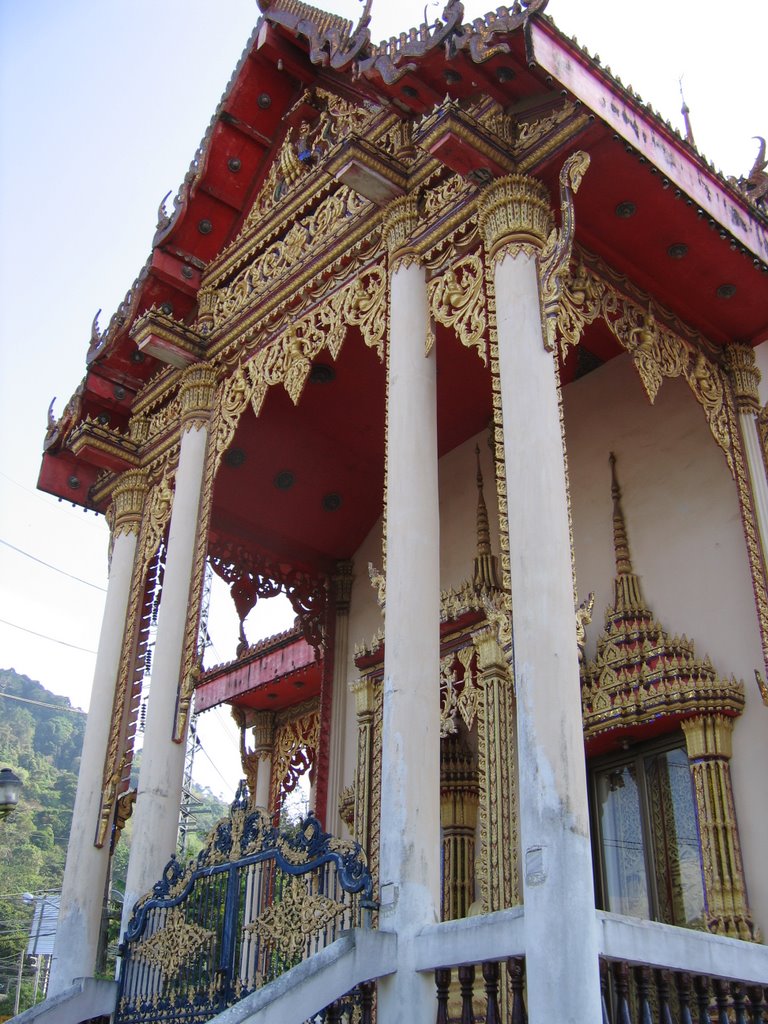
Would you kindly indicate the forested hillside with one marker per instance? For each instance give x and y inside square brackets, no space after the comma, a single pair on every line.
[41,737]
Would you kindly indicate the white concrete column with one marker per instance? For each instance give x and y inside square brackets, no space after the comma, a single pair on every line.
[156,816]
[561,939]
[409,864]
[87,866]
[263,723]
[343,586]
[745,378]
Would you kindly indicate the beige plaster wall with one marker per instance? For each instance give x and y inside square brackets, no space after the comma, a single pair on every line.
[686,541]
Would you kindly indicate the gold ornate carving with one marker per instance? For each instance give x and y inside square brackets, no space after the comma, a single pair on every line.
[379,584]
[556,254]
[744,374]
[436,201]
[197,393]
[708,739]
[458,817]
[295,748]
[762,687]
[298,915]
[174,944]
[514,211]
[128,499]
[640,672]
[156,513]
[457,300]
[400,223]
[583,619]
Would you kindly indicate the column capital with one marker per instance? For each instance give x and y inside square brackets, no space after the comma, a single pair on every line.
[400,223]
[515,211]
[342,580]
[708,736]
[744,374]
[365,695]
[128,499]
[263,725]
[197,394]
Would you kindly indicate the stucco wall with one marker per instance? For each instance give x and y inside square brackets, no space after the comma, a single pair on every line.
[686,541]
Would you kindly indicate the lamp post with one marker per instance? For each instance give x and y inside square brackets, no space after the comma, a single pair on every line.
[10,790]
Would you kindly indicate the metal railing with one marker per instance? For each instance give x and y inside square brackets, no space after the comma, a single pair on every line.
[257,901]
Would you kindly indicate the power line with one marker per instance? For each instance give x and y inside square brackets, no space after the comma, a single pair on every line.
[43,636]
[42,704]
[47,500]
[55,568]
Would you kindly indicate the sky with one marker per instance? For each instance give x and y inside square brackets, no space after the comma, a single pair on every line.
[102,106]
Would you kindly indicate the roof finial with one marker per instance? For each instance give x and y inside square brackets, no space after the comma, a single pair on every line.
[486,574]
[620,542]
[628,594]
[686,112]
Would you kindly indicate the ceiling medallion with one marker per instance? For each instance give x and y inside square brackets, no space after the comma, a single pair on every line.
[677,251]
[626,209]
[167,308]
[331,501]
[119,392]
[321,373]
[726,291]
[137,356]
[284,480]
[234,457]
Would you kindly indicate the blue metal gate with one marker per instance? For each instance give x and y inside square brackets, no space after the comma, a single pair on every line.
[256,902]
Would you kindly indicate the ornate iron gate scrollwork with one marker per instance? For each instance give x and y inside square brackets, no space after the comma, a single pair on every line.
[257,901]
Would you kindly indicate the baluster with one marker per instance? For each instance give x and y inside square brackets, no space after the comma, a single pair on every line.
[721,998]
[621,981]
[491,979]
[701,987]
[466,984]
[662,987]
[643,985]
[516,971]
[755,994]
[604,990]
[683,985]
[442,984]
[739,996]
[367,990]
[333,1013]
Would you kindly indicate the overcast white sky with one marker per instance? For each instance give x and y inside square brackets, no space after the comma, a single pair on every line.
[102,106]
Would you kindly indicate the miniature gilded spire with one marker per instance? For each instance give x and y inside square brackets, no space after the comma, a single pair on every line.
[627,584]
[685,110]
[486,573]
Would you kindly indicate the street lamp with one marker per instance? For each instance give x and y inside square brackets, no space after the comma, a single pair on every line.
[10,790]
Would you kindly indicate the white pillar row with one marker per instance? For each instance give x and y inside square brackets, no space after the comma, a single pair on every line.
[745,378]
[156,815]
[342,581]
[557,870]
[409,865]
[87,866]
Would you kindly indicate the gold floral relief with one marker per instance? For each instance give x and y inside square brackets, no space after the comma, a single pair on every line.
[457,300]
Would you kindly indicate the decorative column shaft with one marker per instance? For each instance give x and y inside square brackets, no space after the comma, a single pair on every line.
[263,723]
[499,853]
[410,787]
[162,769]
[87,866]
[458,814]
[745,377]
[558,885]
[365,704]
[342,584]
[708,739]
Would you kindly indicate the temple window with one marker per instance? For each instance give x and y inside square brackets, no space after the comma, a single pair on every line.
[646,835]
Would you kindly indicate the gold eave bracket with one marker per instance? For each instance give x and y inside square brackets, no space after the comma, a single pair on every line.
[166,339]
[103,447]
[463,144]
[368,171]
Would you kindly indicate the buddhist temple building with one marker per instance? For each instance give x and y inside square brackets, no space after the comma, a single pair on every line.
[456,345]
